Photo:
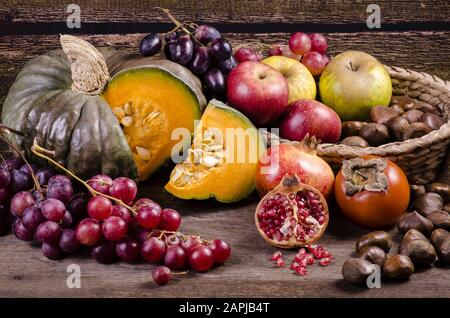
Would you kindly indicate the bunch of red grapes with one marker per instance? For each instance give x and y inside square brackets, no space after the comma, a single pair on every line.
[204,51]
[309,49]
[110,225]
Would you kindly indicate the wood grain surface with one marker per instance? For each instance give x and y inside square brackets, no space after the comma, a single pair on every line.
[414,34]
[248,273]
[225,12]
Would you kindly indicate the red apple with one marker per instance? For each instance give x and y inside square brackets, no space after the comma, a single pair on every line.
[258,90]
[311,117]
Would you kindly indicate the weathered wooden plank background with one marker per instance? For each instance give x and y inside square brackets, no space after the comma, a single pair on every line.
[413,34]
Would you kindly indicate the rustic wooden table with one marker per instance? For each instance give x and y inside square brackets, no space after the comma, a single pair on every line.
[413,34]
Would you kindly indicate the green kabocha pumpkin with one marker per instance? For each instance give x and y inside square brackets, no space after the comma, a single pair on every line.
[67,101]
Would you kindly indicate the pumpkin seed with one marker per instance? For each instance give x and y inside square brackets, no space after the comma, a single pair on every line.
[198,175]
[183,180]
[209,161]
[177,174]
[143,153]
[208,134]
[128,108]
[219,155]
[215,147]
[119,112]
[152,115]
[127,121]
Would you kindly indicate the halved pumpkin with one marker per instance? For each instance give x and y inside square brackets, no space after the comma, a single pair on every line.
[58,100]
[221,163]
[151,101]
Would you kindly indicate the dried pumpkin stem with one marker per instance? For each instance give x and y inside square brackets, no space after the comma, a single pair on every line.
[89,70]
[39,151]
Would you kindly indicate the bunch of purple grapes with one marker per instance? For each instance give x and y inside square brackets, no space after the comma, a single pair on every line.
[15,178]
[45,215]
[205,52]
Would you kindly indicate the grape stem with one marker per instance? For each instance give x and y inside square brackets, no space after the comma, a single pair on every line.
[259,46]
[180,273]
[178,24]
[177,233]
[41,152]
[7,130]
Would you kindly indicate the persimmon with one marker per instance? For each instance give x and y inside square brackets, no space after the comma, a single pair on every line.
[372,192]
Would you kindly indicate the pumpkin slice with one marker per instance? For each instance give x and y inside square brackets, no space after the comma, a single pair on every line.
[222,161]
[150,102]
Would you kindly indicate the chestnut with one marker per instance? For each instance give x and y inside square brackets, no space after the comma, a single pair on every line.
[399,110]
[440,239]
[412,115]
[355,141]
[416,190]
[440,219]
[397,126]
[447,207]
[351,128]
[440,188]
[375,134]
[428,202]
[373,254]
[416,246]
[398,267]
[433,121]
[403,101]
[381,114]
[356,271]
[381,239]
[415,221]
[427,108]
[416,130]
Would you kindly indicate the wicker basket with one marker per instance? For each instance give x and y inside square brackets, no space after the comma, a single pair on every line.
[420,158]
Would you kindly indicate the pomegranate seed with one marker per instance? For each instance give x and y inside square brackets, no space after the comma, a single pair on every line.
[303,262]
[275,256]
[280,262]
[324,261]
[309,259]
[301,251]
[299,257]
[301,270]
[294,265]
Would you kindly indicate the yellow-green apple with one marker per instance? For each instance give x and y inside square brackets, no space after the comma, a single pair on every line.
[352,83]
[257,90]
[311,117]
[301,82]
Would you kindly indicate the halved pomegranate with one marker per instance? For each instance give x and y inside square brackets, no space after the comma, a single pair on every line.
[292,215]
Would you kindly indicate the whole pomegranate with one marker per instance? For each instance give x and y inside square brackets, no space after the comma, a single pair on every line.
[292,215]
[289,159]
[311,117]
